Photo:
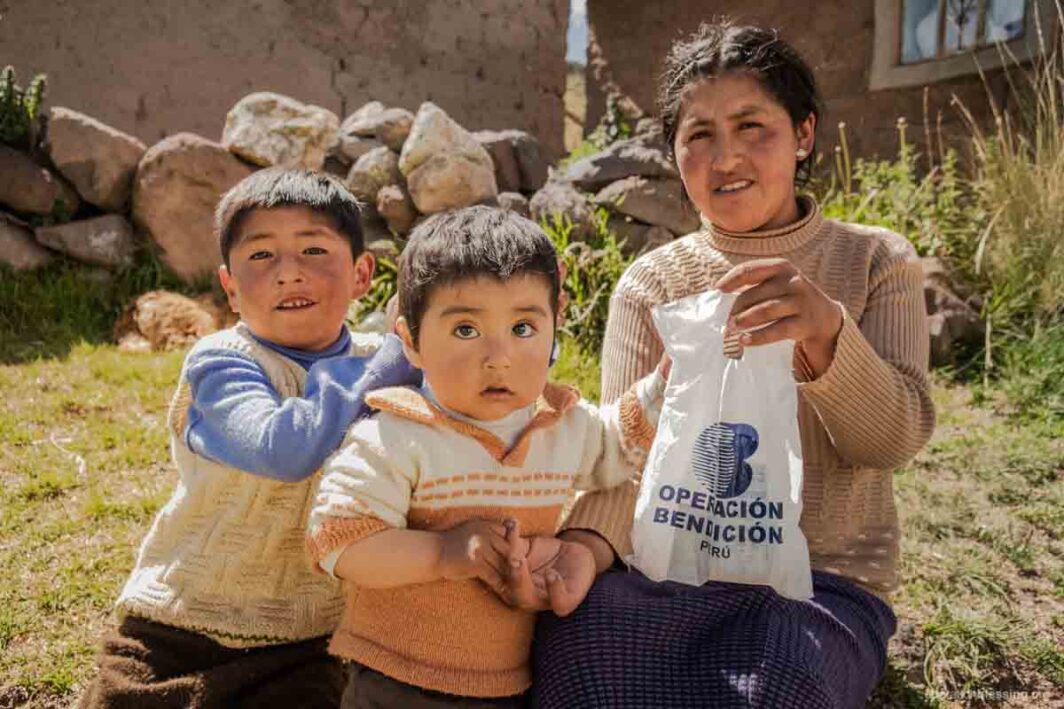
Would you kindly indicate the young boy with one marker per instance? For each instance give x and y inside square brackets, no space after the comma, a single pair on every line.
[222,607]
[412,511]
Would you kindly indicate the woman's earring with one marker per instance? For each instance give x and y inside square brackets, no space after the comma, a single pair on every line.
[802,154]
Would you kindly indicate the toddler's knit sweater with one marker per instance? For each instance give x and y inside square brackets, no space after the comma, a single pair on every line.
[413,466]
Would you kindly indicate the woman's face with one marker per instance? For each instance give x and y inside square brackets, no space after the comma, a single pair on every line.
[736,148]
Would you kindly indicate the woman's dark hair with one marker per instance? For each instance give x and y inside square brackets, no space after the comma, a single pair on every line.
[467,243]
[723,47]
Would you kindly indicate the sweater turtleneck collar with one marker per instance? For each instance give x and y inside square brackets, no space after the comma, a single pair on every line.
[769,242]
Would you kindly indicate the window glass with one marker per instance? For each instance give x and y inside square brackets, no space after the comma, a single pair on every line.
[1004,20]
[962,22]
[919,32]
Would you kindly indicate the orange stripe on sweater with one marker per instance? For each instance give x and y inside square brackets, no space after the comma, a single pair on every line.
[338,532]
[541,519]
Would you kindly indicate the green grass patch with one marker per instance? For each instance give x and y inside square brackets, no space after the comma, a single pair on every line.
[981,607]
[45,313]
[84,465]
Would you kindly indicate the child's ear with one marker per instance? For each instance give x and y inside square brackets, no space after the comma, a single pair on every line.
[364,266]
[409,349]
[229,286]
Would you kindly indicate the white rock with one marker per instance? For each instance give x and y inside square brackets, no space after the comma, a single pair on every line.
[353,122]
[353,147]
[391,127]
[444,164]
[103,241]
[435,132]
[271,129]
[450,181]
[372,171]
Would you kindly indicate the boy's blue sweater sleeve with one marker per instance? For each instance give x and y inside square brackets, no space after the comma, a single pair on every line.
[237,417]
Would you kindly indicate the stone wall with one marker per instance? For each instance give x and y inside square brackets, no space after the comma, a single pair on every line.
[156,67]
[836,39]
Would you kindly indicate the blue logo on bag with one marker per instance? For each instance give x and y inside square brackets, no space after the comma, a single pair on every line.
[720,455]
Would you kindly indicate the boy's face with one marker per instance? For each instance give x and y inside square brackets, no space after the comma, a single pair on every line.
[291,277]
[484,345]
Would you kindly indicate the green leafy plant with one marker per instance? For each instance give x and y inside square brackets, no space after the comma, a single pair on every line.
[593,268]
[385,284]
[20,109]
[931,208]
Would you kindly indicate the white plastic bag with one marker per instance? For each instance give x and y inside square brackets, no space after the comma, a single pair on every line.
[722,489]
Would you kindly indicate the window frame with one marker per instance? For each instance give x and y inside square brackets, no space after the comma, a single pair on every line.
[887,71]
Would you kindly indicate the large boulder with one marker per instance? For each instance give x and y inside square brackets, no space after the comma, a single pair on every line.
[658,202]
[160,320]
[530,160]
[102,241]
[501,149]
[561,201]
[390,126]
[355,123]
[445,166]
[519,162]
[19,250]
[175,191]
[97,159]
[30,188]
[271,129]
[450,181]
[374,170]
[352,147]
[636,156]
[397,208]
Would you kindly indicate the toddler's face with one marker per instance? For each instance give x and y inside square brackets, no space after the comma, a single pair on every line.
[484,345]
[291,277]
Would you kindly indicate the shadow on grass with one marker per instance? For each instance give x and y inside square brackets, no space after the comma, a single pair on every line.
[897,691]
[45,313]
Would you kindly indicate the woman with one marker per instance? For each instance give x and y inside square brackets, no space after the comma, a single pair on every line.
[739,110]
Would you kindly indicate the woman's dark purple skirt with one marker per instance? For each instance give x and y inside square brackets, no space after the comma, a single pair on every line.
[637,643]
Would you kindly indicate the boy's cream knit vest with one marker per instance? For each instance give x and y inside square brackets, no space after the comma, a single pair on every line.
[226,557]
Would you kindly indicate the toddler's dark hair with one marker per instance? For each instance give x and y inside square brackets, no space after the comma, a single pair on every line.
[722,47]
[466,243]
[280,187]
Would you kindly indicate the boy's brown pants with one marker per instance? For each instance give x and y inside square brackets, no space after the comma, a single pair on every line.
[369,689]
[145,664]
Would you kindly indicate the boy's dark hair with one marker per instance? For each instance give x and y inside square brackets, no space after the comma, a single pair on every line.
[723,47]
[280,187]
[466,243]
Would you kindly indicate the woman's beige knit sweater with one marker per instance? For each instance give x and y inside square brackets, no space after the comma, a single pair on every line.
[869,413]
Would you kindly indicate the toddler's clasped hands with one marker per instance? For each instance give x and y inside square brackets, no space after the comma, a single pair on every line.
[533,573]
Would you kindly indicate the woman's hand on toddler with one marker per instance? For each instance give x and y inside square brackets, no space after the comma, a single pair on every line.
[476,549]
[547,573]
